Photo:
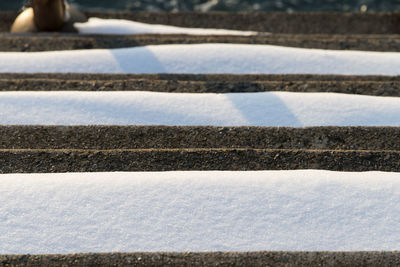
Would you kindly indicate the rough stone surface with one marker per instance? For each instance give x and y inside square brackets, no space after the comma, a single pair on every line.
[191,83]
[162,148]
[181,137]
[208,259]
[71,160]
[44,42]
[376,88]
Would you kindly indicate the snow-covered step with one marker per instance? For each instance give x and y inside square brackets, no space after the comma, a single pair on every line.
[204,59]
[285,109]
[39,149]
[297,210]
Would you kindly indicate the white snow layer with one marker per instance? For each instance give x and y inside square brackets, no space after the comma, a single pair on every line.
[199,211]
[120,26]
[204,58]
[233,109]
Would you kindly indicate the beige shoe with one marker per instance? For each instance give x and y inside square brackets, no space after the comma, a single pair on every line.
[47,15]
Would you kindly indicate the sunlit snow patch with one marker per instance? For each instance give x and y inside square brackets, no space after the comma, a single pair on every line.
[120,26]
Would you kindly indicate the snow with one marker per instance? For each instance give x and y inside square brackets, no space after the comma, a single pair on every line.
[120,26]
[199,211]
[233,109]
[204,58]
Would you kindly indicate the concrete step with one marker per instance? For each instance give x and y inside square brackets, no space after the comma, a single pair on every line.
[370,85]
[234,159]
[366,258]
[199,137]
[166,148]
[47,41]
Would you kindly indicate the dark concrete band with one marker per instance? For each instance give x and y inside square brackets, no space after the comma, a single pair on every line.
[44,42]
[385,88]
[365,258]
[177,137]
[364,85]
[48,161]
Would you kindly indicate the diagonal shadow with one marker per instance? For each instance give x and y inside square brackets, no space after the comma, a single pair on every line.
[263,109]
[128,60]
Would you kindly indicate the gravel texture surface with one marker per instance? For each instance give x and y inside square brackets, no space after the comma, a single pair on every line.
[175,137]
[70,160]
[376,88]
[162,148]
[44,42]
[369,85]
[208,259]
[276,22]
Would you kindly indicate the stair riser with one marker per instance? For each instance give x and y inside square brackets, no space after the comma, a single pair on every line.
[345,87]
[180,137]
[208,259]
[44,161]
[46,42]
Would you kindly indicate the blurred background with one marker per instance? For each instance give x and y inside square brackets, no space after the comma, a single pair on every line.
[226,5]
